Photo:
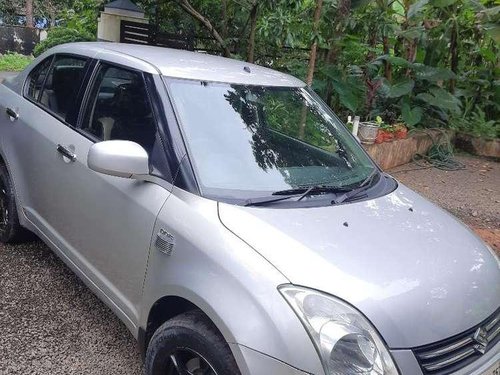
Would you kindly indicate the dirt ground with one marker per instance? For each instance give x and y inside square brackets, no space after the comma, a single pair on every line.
[472,194]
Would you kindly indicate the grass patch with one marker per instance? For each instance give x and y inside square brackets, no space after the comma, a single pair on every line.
[14,62]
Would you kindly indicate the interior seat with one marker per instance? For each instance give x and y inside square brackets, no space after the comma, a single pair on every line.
[133,117]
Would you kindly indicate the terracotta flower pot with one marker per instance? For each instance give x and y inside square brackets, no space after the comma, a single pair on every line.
[401,131]
[401,134]
[384,136]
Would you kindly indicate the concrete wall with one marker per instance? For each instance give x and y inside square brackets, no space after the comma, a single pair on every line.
[108,25]
[18,39]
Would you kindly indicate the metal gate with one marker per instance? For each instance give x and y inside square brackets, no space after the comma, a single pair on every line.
[146,34]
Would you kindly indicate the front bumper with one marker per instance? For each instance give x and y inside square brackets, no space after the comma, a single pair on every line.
[252,362]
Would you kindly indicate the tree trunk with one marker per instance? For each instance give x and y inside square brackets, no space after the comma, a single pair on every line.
[387,64]
[52,17]
[186,5]
[224,19]
[453,55]
[343,11]
[314,46]
[28,9]
[253,29]
[372,42]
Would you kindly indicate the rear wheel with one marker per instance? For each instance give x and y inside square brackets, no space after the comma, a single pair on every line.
[189,344]
[10,229]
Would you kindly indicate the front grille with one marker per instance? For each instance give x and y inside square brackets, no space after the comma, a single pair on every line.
[450,355]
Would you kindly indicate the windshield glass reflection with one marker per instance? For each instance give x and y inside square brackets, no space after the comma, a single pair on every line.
[263,139]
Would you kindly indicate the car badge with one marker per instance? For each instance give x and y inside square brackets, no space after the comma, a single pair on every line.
[481,340]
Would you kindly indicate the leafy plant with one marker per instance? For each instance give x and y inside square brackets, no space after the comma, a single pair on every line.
[477,125]
[61,35]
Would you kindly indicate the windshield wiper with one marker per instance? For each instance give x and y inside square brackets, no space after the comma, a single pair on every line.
[357,191]
[299,193]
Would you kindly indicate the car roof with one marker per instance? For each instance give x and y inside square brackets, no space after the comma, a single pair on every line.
[183,64]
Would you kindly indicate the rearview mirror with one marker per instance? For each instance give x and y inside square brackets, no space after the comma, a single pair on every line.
[118,158]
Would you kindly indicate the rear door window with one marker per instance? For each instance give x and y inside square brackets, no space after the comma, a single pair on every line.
[63,84]
[36,78]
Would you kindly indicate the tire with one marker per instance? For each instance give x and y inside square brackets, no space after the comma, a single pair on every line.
[10,229]
[194,343]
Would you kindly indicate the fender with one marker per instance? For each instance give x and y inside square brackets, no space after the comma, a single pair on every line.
[228,280]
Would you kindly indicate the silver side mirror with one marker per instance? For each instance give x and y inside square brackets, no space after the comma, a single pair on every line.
[118,158]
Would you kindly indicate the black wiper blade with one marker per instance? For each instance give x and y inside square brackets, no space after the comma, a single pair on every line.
[299,193]
[261,201]
[355,193]
[311,189]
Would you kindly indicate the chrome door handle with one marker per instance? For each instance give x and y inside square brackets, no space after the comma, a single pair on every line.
[65,152]
[12,113]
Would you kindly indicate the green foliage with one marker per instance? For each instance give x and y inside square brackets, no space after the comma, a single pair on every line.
[425,62]
[477,125]
[411,116]
[61,35]
[82,16]
[14,62]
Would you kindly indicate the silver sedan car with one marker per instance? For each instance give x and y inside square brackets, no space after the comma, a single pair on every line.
[235,226]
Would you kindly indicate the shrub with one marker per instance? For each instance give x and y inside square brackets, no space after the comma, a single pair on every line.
[14,62]
[61,35]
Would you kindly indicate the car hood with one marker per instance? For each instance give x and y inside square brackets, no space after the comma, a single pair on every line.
[416,272]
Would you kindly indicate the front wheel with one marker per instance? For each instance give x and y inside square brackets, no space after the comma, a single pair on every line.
[189,344]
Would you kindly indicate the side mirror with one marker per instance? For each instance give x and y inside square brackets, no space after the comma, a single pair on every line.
[118,158]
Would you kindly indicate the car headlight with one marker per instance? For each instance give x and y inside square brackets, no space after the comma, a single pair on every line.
[346,341]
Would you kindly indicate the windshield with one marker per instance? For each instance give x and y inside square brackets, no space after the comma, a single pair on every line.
[253,140]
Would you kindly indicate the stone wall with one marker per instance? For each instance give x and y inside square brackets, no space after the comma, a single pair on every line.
[18,39]
[478,146]
[401,151]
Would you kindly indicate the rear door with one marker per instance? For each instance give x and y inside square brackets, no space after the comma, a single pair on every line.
[29,140]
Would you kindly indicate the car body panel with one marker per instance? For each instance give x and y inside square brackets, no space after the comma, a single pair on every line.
[228,280]
[419,276]
[259,363]
[187,65]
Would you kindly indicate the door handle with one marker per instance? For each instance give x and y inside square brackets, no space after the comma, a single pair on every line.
[65,152]
[12,113]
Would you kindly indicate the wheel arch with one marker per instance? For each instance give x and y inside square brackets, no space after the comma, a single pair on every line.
[2,159]
[164,309]
[20,211]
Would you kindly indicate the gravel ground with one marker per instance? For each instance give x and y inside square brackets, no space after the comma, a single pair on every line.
[50,323]
[472,194]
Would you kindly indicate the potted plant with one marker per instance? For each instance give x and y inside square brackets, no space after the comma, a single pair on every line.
[400,131]
[385,132]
